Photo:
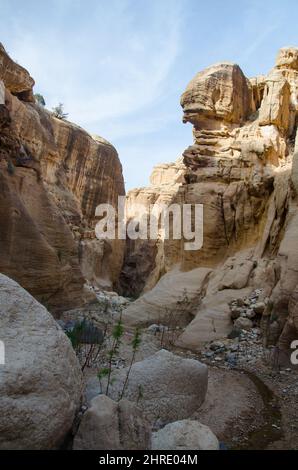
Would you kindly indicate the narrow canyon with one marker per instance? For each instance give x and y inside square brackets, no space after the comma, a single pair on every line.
[140,343]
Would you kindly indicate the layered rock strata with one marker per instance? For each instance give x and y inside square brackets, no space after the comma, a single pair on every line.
[242,167]
[53,176]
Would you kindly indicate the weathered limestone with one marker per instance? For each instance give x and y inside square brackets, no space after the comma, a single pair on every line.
[287,57]
[275,108]
[15,77]
[159,305]
[36,247]
[165,386]
[212,93]
[53,176]
[242,168]
[41,381]
[243,323]
[184,435]
[108,425]
[99,428]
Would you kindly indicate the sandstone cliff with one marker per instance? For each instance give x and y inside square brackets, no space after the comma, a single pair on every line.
[53,175]
[242,167]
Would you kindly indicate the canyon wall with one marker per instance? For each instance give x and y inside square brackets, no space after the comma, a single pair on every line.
[53,175]
[242,166]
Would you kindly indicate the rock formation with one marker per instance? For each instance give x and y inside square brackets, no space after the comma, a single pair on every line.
[53,176]
[242,167]
[184,435]
[15,77]
[241,284]
[111,425]
[165,386]
[41,380]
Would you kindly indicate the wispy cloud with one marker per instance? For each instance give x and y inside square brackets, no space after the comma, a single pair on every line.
[120,66]
[102,76]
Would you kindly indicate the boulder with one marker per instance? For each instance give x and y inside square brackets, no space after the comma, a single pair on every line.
[237,275]
[249,313]
[211,94]
[236,312]
[213,319]
[135,430]
[99,428]
[167,387]
[243,323]
[217,345]
[41,381]
[259,308]
[170,301]
[108,425]
[185,435]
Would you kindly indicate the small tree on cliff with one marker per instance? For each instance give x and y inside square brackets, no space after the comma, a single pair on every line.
[39,99]
[58,111]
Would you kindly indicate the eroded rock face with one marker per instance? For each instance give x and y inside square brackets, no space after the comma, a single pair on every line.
[15,77]
[53,176]
[287,58]
[242,168]
[220,91]
[275,108]
[41,381]
[36,247]
[172,299]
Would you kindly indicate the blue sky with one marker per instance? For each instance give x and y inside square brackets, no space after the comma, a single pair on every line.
[120,66]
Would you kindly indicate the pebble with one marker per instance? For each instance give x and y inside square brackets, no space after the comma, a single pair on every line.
[215,345]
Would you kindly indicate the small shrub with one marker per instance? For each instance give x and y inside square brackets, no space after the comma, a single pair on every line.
[117,334]
[39,99]
[173,318]
[273,317]
[140,393]
[74,334]
[10,167]
[136,341]
[84,333]
[58,111]
[100,348]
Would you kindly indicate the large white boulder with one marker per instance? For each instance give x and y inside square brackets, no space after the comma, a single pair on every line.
[185,435]
[41,380]
[167,387]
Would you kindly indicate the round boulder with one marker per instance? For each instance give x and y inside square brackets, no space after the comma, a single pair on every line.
[185,435]
[243,323]
[166,387]
[41,380]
